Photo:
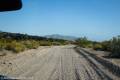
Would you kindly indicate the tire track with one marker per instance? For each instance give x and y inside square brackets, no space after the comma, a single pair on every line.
[102,75]
[77,75]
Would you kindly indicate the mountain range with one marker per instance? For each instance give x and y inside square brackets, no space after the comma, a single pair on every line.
[57,36]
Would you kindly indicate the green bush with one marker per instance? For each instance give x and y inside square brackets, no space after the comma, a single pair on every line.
[97,46]
[83,42]
[3,43]
[115,47]
[31,44]
[15,46]
[27,44]
[90,45]
[35,44]
[45,43]
[19,48]
[56,43]
[17,42]
[106,45]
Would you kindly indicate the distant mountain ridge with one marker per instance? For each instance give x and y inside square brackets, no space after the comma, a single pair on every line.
[19,36]
[57,36]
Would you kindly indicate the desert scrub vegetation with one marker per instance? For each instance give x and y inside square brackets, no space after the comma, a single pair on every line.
[112,45]
[97,46]
[2,44]
[31,44]
[19,42]
[21,45]
[115,47]
[45,43]
[15,46]
[12,45]
[84,42]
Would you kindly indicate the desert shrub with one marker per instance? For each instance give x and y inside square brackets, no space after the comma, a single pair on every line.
[97,46]
[3,43]
[15,46]
[27,44]
[31,44]
[90,45]
[35,44]
[106,45]
[83,42]
[45,43]
[115,47]
[56,43]
[19,48]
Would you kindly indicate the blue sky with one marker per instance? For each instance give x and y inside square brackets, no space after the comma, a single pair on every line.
[96,19]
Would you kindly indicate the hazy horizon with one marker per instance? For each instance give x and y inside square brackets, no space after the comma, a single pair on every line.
[96,19]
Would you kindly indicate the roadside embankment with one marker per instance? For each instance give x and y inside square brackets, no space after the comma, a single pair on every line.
[110,66]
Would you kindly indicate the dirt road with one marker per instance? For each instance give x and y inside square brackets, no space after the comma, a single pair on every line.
[56,63]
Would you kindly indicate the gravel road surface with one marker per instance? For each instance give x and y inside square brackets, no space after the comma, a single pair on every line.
[55,63]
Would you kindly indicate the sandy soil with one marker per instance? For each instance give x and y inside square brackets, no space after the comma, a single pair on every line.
[54,63]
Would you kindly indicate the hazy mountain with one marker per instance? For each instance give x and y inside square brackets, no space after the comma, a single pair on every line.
[57,36]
